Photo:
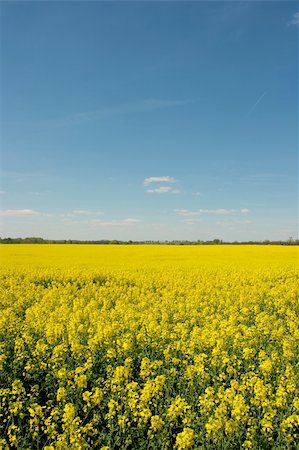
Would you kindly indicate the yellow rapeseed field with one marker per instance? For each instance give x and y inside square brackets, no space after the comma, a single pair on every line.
[149,347]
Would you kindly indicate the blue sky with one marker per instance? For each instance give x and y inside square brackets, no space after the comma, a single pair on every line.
[149,120]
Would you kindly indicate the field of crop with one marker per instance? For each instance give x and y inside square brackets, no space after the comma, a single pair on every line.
[149,347]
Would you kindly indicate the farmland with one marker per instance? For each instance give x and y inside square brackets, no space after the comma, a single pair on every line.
[149,347]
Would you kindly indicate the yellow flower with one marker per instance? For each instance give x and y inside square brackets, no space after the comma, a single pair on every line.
[267,422]
[69,413]
[113,408]
[266,367]
[156,423]
[296,403]
[62,373]
[122,422]
[290,422]
[87,397]
[239,408]
[145,368]
[248,353]
[111,353]
[177,408]
[61,394]
[97,396]
[185,439]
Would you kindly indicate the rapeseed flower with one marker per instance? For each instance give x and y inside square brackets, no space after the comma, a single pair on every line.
[105,347]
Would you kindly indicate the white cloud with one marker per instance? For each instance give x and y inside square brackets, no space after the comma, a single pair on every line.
[165,179]
[116,223]
[233,222]
[191,221]
[196,193]
[219,211]
[295,19]
[80,213]
[163,190]
[19,213]
[186,213]
[130,220]
[66,215]
[85,212]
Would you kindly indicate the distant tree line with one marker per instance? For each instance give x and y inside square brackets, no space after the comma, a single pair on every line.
[39,240]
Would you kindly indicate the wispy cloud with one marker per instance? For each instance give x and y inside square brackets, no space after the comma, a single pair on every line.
[164,179]
[38,193]
[69,221]
[20,177]
[191,221]
[233,222]
[259,99]
[21,213]
[116,223]
[294,20]
[164,190]
[261,179]
[187,213]
[85,212]
[161,189]
[265,176]
[218,211]
[197,194]
[80,214]
[141,106]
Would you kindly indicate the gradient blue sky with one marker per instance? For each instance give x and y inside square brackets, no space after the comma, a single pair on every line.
[149,120]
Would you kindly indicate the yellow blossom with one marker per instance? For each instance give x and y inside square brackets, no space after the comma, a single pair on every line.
[185,439]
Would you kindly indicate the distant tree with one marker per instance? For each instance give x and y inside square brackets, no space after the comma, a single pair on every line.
[217,241]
